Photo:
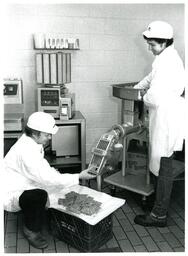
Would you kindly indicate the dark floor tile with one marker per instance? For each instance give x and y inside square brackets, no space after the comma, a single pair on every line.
[131,217]
[126,208]
[126,225]
[20,233]
[179,249]
[156,235]
[127,236]
[140,230]
[115,221]
[22,246]
[173,214]
[12,216]
[138,210]
[119,214]
[134,238]
[119,233]
[35,250]
[113,249]
[50,240]
[180,223]
[10,240]
[181,213]
[73,250]
[10,249]
[182,241]
[164,247]
[126,246]
[61,247]
[150,244]
[140,248]
[172,240]
[178,233]
[170,221]
[164,230]
[49,251]
[11,226]
[112,243]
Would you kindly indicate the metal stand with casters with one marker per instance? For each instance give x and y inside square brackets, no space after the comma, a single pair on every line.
[130,121]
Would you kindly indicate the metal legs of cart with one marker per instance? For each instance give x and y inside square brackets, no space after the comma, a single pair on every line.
[124,179]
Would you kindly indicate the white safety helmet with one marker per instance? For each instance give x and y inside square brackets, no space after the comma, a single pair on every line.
[42,122]
[159,29]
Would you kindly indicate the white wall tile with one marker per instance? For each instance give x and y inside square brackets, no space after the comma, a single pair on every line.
[55,24]
[104,10]
[112,50]
[89,25]
[93,58]
[20,58]
[64,10]
[95,90]
[93,73]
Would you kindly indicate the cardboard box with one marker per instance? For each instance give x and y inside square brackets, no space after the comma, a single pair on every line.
[136,163]
[137,159]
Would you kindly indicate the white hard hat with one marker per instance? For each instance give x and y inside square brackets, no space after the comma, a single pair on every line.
[159,29]
[42,122]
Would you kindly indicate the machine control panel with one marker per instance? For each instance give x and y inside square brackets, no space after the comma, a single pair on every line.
[100,152]
[49,98]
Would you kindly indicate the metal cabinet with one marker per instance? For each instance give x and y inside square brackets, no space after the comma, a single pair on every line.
[68,146]
[70,143]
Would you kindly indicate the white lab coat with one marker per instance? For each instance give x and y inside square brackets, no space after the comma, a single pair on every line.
[165,85]
[26,168]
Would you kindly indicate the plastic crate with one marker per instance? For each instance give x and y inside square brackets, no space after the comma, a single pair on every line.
[78,233]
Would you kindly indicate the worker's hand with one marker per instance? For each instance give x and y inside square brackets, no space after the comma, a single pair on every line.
[136,86]
[143,92]
[86,175]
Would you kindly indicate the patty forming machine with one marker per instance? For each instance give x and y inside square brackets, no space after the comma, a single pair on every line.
[134,125]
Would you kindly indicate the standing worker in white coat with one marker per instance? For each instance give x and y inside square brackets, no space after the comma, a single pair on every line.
[28,177]
[164,87]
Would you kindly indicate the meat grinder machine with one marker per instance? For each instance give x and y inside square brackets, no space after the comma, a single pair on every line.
[134,125]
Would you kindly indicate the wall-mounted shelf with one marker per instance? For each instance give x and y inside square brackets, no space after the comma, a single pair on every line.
[56,49]
[57,42]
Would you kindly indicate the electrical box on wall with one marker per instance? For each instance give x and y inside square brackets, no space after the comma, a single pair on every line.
[12,91]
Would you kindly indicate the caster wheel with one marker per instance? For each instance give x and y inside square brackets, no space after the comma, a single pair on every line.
[146,205]
[113,191]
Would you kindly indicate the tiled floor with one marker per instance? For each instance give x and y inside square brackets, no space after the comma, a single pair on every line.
[127,236]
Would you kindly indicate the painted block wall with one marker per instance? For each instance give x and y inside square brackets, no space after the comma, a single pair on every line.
[112,50]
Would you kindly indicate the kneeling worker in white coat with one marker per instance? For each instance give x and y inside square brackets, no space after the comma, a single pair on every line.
[28,176]
[164,87]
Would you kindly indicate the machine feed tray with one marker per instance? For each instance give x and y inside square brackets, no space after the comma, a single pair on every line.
[126,91]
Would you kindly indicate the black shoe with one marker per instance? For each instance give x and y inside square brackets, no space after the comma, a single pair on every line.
[148,220]
[35,238]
